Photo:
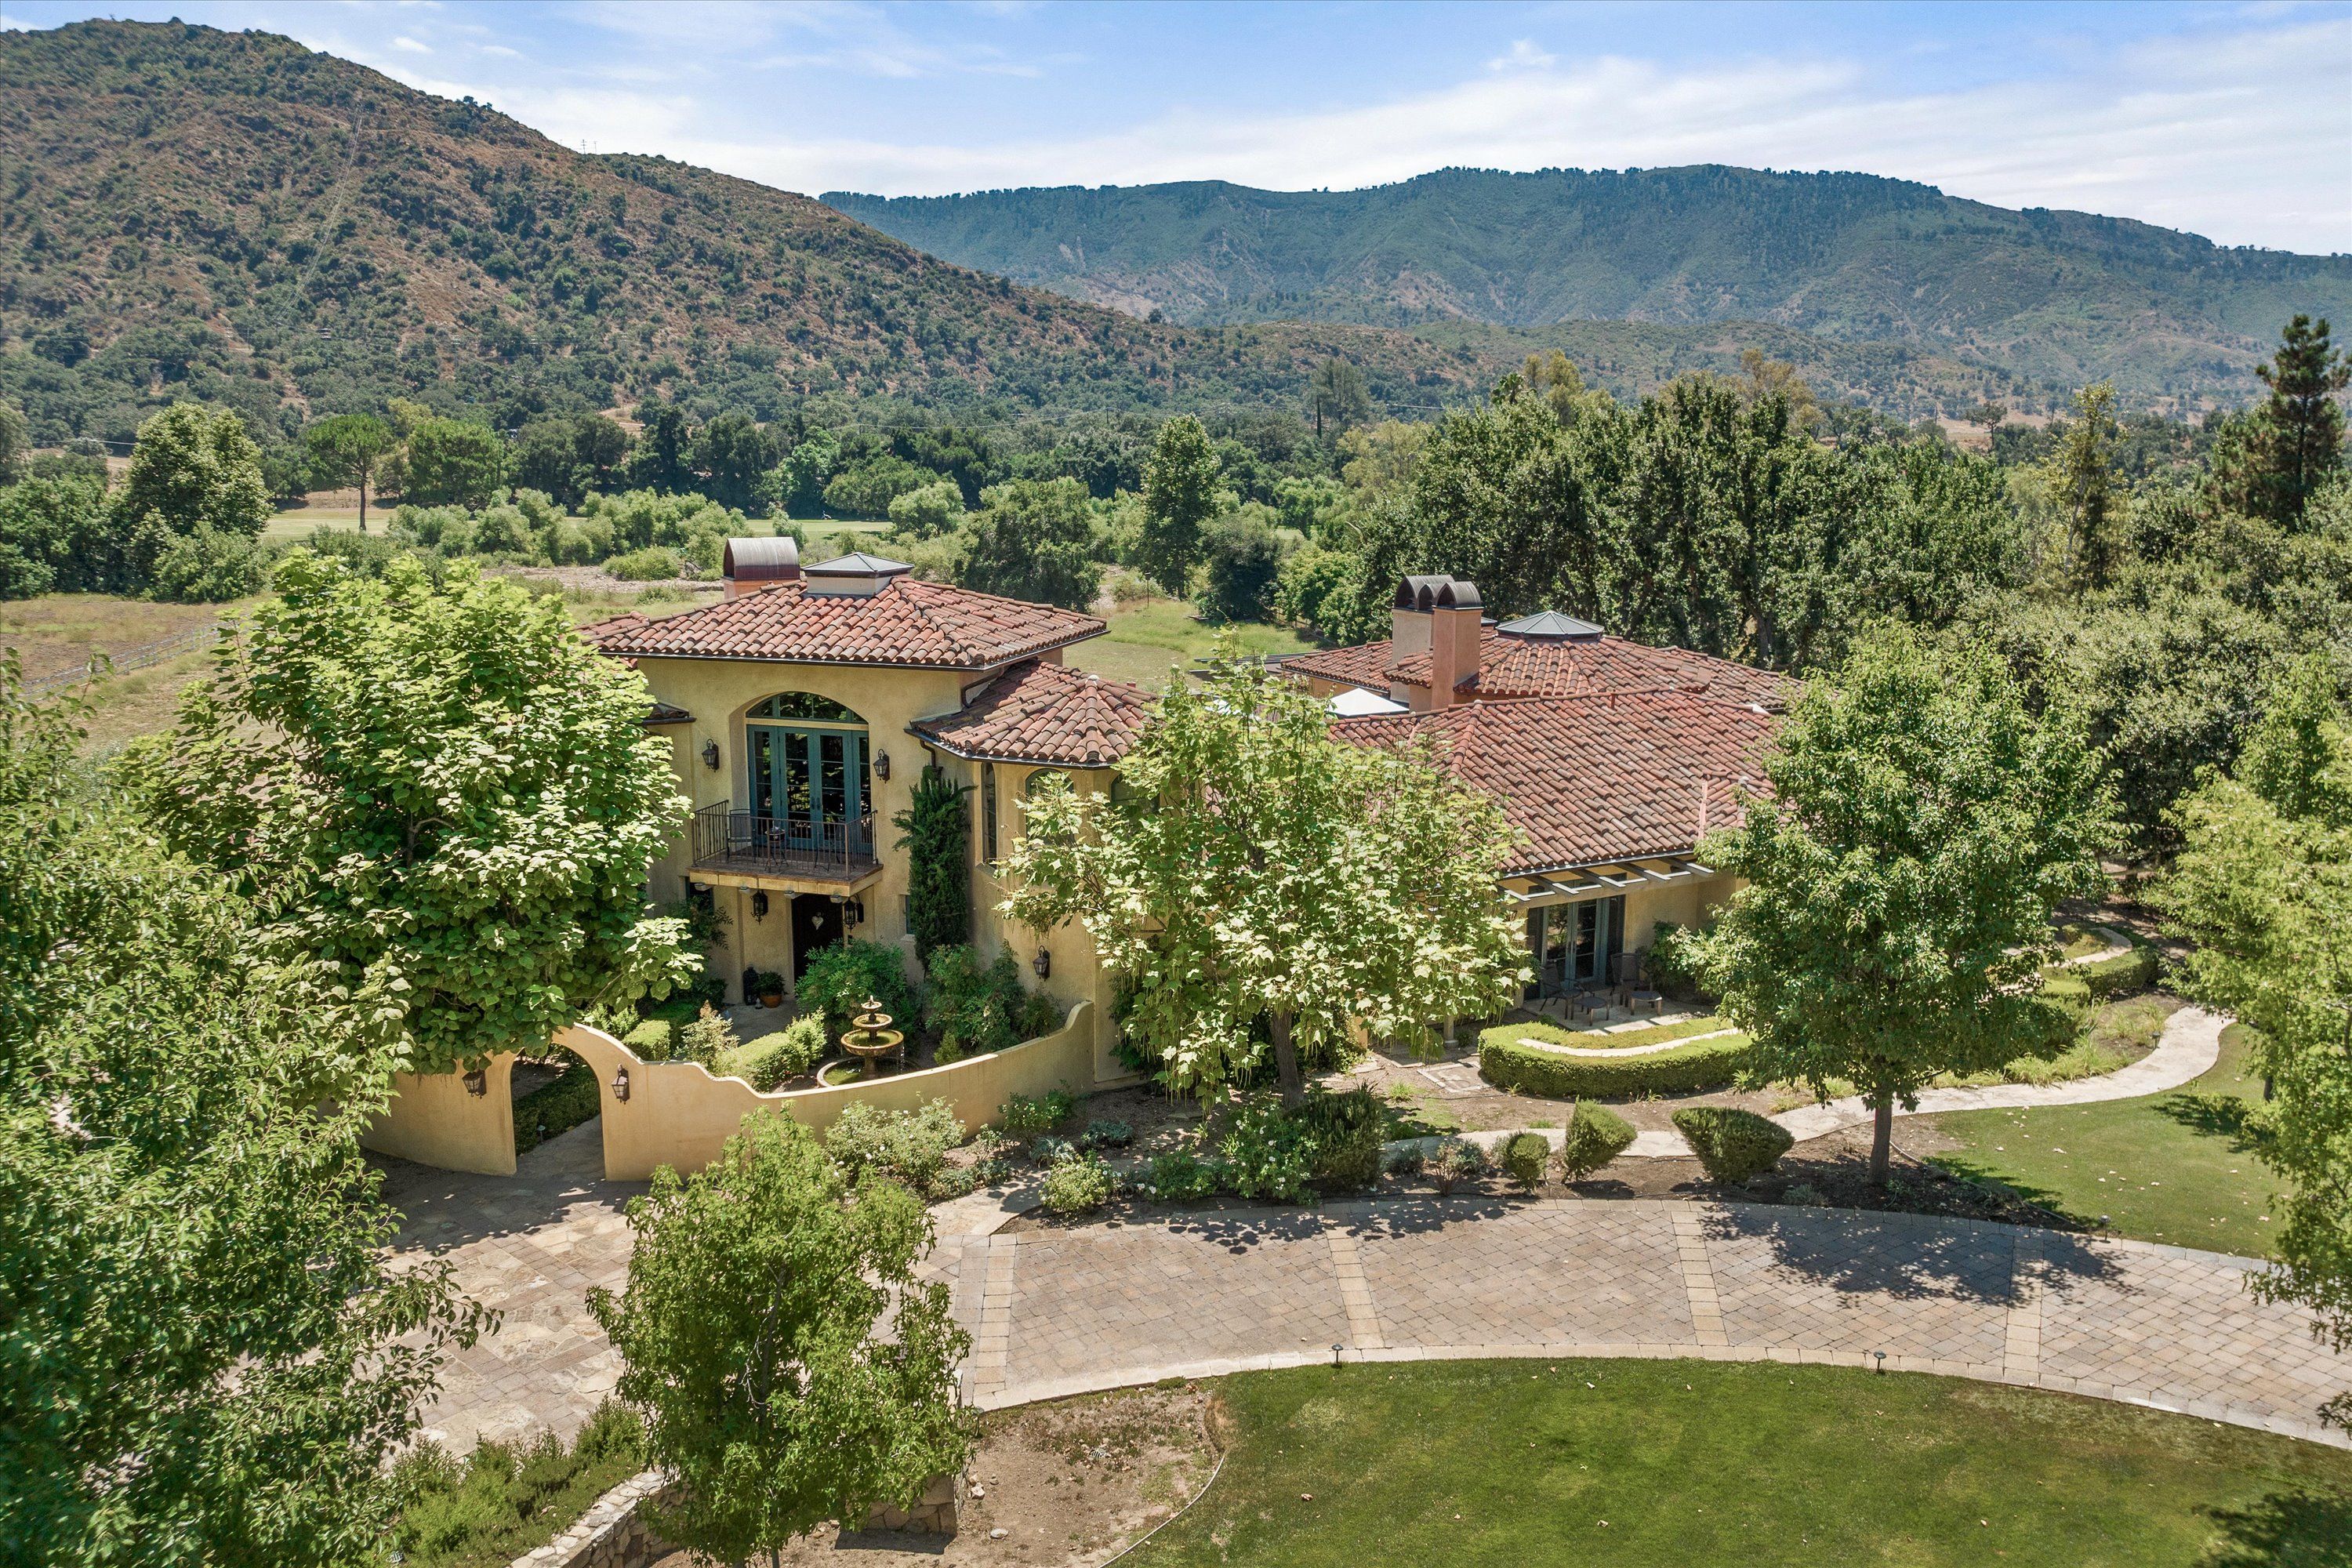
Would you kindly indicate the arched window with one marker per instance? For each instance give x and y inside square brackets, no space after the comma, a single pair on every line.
[810,775]
[805,708]
[1043,779]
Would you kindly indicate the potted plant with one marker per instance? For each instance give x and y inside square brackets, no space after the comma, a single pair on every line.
[771,988]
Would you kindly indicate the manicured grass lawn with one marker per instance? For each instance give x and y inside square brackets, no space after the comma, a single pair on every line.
[1698,1464]
[1146,638]
[2177,1167]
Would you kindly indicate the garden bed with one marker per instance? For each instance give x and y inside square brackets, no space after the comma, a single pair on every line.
[1067,1483]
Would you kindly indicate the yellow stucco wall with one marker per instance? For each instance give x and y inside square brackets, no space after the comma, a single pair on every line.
[678,1114]
[434,1122]
[719,692]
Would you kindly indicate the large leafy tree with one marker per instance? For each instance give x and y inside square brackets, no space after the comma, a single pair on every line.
[2264,886]
[204,1357]
[1256,874]
[454,462]
[441,793]
[1035,540]
[194,467]
[350,450]
[1920,828]
[1180,493]
[790,1367]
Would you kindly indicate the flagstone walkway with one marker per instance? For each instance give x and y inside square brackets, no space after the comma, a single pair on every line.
[1057,1312]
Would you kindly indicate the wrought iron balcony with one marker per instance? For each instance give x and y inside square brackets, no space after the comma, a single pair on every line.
[729,840]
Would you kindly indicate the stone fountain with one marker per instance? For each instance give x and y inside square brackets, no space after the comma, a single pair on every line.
[872,1038]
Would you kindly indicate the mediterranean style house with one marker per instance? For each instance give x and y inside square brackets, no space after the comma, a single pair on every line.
[803,707]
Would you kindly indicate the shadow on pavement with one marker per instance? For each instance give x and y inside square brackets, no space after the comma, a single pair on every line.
[1909,1257]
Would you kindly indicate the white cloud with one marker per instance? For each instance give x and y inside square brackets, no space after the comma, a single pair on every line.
[411,45]
[1524,56]
[2245,138]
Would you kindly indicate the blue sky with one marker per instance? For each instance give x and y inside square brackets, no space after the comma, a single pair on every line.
[2233,120]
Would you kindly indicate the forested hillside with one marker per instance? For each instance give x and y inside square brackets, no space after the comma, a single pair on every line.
[233,217]
[2060,296]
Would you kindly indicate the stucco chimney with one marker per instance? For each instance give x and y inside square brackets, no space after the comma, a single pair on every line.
[1409,621]
[1456,617]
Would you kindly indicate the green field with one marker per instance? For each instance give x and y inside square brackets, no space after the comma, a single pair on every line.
[2177,1167]
[1146,638]
[1700,1465]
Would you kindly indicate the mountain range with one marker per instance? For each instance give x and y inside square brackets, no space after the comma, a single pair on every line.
[2055,297]
[236,217]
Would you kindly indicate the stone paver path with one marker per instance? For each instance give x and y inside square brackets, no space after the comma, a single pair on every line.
[1068,1312]
[531,1245]
[1058,1312]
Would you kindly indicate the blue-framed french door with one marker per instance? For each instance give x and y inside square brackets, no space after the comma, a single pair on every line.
[814,783]
[1576,945]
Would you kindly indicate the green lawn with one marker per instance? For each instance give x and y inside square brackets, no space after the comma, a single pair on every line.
[1146,638]
[2177,1167]
[1698,1464]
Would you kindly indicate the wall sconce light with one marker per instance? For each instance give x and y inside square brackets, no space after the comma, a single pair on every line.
[710,755]
[477,1083]
[759,906]
[853,914]
[621,1084]
[881,764]
[1043,963]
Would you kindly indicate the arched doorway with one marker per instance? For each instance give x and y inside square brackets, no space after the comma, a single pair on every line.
[811,784]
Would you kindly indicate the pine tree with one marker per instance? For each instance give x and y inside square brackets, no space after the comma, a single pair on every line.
[2301,431]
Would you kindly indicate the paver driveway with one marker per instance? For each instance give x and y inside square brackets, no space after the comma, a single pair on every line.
[1057,1312]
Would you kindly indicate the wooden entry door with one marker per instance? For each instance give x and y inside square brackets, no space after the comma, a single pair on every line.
[816,923]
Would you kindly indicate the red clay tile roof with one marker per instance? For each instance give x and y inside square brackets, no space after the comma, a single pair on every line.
[1552,666]
[1045,713]
[908,623]
[1594,779]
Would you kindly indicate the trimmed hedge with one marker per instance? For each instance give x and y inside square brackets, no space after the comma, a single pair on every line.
[1526,1158]
[771,1059]
[1707,1064]
[651,1039]
[1733,1145]
[563,1104]
[1596,1135]
[2121,974]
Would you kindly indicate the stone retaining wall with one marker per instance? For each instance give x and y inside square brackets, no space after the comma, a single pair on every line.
[611,1535]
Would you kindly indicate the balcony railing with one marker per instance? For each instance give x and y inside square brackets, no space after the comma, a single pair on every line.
[729,840]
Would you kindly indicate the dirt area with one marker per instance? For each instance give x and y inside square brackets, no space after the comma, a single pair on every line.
[1065,1485]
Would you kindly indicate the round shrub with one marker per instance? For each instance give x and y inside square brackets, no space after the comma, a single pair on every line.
[1527,1157]
[1596,1135]
[1078,1184]
[1267,1153]
[1732,1146]
[1178,1177]
[907,1146]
